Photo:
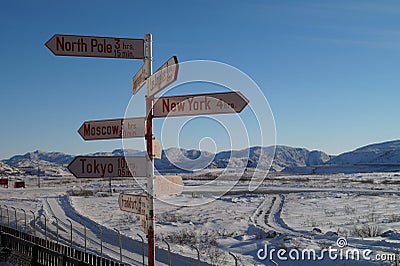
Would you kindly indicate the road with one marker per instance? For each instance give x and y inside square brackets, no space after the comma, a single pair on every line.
[61,208]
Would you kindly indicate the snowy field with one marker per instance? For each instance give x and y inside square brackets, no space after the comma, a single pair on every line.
[287,213]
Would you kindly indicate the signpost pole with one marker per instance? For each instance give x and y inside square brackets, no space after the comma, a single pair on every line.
[148,61]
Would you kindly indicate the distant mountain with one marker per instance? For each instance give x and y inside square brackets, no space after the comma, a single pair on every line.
[182,160]
[376,157]
[287,156]
[29,158]
[261,157]
[44,163]
[119,152]
[379,153]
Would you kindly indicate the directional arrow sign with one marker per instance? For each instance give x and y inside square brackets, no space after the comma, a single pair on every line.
[139,80]
[163,77]
[112,129]
[91,46]
[133,203]
[168,185]
[107,166]
[200,104]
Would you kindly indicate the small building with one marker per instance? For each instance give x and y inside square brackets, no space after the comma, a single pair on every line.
[4,182]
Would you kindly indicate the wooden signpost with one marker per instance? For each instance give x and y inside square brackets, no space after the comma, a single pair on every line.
[123,166]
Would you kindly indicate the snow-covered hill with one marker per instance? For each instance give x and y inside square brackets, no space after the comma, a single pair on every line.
[6,169]
[46,163]
[379,153]
[174,159]
[376,157]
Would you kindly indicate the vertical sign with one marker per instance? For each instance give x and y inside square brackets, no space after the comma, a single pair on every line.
[139,80]
[163,77]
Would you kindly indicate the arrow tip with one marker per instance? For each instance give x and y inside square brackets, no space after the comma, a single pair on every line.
[49,45]
[244,99]
[81,131]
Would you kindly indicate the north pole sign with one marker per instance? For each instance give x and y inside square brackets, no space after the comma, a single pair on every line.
[91,46]
[108,166]
[112,129]
[200,104]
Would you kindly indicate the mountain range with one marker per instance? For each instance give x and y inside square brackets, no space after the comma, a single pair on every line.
[371,158]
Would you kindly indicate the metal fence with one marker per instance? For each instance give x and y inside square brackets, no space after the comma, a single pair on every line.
[26,249]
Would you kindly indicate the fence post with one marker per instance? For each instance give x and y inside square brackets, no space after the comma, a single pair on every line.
[15,217]
[8,216]
[56,227]
[233,255]
[25,227]
[101,240]
[198,254]
[34,223]
[45,228]
[142,248]
[169,251]
[70,238]
[84,233]
[120,244]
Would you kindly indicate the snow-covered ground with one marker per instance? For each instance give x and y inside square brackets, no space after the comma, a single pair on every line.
[287,213]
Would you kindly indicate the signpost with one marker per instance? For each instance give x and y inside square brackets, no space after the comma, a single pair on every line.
[120,166]
[133,203]
[108,166]
[112,129]
[200,104]
[163,77]
[91,46]
[168,185]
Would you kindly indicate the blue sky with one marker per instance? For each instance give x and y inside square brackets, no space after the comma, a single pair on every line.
[329,69]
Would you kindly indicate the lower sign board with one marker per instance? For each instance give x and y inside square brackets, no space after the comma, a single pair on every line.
[168,185]
[133,203]
[108,166]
